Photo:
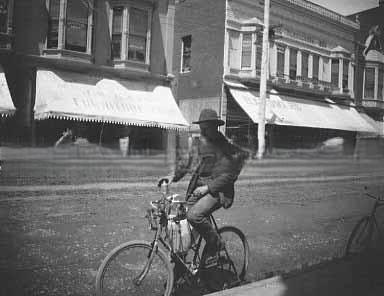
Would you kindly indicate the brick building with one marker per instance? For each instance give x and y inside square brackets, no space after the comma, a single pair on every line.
[311,87]
[98,67]
[370,74]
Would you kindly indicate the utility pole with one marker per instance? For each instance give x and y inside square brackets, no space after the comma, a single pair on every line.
[263,83]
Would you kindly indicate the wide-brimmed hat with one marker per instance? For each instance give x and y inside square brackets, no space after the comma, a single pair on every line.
[209,115]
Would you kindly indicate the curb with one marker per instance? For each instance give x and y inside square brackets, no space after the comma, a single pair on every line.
[271,286]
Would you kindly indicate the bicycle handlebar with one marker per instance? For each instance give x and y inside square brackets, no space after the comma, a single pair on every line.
[374,197]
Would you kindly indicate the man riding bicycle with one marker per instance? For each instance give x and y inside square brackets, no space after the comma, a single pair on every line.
[212,184]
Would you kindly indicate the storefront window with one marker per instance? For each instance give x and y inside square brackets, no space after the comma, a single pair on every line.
[369,87]
[4,6]
[335,73]
[292,63]
[246,51]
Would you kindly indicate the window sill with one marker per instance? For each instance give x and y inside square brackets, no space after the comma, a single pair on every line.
[372,103]
[127,64]
[68,54]
[6,41]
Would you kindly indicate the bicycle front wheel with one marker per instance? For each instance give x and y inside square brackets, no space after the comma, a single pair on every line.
[123,271]
[360,238]
[232,264]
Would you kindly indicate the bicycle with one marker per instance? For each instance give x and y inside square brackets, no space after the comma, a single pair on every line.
[160,268]
[366,235]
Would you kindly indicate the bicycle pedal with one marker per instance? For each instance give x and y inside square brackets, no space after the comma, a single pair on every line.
[211,262]
[223,260]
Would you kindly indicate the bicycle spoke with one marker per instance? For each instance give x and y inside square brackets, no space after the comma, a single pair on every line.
[125,273]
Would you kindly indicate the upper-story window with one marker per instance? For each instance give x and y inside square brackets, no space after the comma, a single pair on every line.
[380,84]
[304,65]
[117,31]
[246,51]
[293,63]
[315,68]
[280,61]
[234,49]
[259,55]
[130,33]
[70,25]
[186,51]
[5,15]
[325,74]
[345,74]
[335,73]
[369,83]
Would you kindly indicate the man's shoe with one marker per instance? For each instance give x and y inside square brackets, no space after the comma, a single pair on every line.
[212,254]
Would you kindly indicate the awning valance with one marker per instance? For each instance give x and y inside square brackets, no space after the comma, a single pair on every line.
[291,111]
[377,125]
[6,104]
[75,96]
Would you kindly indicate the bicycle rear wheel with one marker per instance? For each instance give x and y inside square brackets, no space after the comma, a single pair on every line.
[232,264]
[119,271]
[360,238]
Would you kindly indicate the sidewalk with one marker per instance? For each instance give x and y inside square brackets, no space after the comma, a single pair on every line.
[358,276]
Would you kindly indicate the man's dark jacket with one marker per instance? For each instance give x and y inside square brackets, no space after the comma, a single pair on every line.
[218,168]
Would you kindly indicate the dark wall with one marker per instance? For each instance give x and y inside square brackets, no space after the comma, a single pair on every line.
[205,21]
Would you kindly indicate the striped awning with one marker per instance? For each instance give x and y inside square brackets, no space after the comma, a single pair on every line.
[292,111]
[74,96]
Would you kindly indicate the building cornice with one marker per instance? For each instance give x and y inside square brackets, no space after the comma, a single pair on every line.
[325,13]
[317,9]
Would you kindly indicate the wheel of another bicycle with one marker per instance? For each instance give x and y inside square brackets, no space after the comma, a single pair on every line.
[232,264]
[121,268]
[360,238]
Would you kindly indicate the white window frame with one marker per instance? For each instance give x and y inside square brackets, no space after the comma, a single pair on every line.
[62,31]
[234,64]
[6,41]
[9,18]
[375,78]
[127,6]
[382,90]
[253,50]
[182,55]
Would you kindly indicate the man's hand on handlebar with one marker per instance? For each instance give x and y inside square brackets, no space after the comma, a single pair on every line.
[166,179]
[201,191]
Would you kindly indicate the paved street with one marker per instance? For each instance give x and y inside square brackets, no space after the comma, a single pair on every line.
[61,215]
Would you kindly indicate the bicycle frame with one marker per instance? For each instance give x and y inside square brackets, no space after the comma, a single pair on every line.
[372,217]
[163,214]
[185,263]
